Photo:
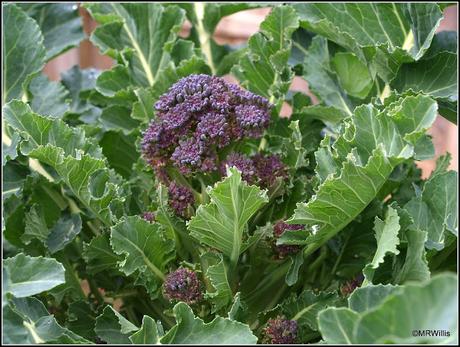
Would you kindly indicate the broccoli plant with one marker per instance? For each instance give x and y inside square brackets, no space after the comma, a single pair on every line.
[187,195]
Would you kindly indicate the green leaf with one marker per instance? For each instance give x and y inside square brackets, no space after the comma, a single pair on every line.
[79,82]
[327,114]
[401,311]
[113,328]
[263,69]
[147,334]
[26,321]
[118,118]
[81,319]
[14,176]
[25,276]
[293,272]
[99,256]
[222,223]
[435,77]
[60,24]
[23,49]
[48,98]
[368,297]
[144,249]
[120,151]
[217,275]
[192,330]
[143,36]
[9,149]
[386,234]
[305,307]
[238,311]
[63,232]
[353,75]
[435,211]
[370,145]
[35,226]
[110,82]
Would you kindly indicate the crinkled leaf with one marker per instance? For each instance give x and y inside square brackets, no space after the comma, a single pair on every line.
[371,144]
[60,24]
[99,256]
[386,234]
[25,275]
[112,327]
[144,249]
[49,98]
[26,321]
[222,222]
[23,51]
[35,225]
[192,330]
[217,275]
[263,69]
[368,297]
[400,310]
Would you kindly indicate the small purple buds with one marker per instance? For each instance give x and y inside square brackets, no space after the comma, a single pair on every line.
[183,285]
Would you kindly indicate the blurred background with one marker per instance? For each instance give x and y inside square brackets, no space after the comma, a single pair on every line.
[236,29]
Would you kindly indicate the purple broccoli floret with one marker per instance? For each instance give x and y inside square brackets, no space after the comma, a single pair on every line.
[279,229]
[198,115]
[258,169]
[149,216]
[269,168]
[180,199]
[281,331]
[183,285]
[243,164]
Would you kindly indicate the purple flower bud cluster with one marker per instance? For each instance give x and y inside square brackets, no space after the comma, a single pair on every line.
[259,169]
[281,331]
[279,229]
[180,198]
[348,287]
[149,216]
[198,115]
[183,285]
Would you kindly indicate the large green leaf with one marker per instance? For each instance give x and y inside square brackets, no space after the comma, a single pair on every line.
[147,334]
[217,275]
[25,276]
[60,24]
[23,49]
[26,321]
[144,249]
[63,232]
[14,175]
[383,34]
[435,76]
[402,313]
[386,233]
[222,223]
[120,151]
[370,145]
[192,330]
[263,69]
[141,35]
[112,327]
[321,81]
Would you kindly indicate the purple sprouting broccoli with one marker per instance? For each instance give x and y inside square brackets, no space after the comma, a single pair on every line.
[149,216]
[269,168]
[258,169]
[180,198]
[243,164]
[183,285]
[348,287]
[279,229]
[280,331]
[198,115]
